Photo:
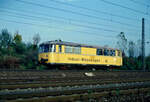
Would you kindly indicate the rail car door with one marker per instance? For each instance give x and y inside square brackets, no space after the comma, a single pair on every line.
[59,51]
[59,48]
[53,50]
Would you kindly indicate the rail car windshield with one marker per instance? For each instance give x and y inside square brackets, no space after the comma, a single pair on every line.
[46,48]
[106,52]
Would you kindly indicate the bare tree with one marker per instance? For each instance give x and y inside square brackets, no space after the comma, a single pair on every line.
[122,42]
[131,49]
[36,39]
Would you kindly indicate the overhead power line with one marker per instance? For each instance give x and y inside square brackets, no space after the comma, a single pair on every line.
[140,3]
[48,19]
[67,20]
[94,10]
[134,10]
[56,17]
[47,26]
[76,13]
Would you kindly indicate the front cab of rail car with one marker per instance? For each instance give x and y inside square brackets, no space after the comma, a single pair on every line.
[45,53]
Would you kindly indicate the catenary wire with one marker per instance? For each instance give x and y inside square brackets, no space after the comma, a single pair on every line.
[79,25]
[115,4]
[140,3]
[68,19]
[32,17]
[58,17]
[41,25]
[94,10]
[76,13]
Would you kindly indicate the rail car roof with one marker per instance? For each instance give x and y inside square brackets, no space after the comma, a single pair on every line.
[59,42]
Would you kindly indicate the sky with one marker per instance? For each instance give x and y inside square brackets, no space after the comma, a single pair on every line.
[94,22]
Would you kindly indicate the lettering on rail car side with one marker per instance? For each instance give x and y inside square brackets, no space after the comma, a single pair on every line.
[74,59]
[84,59]
[90,60]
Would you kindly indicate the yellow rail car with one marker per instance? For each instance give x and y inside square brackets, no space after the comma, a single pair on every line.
[68,53]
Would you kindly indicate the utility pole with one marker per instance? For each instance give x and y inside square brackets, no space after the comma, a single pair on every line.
[143,45]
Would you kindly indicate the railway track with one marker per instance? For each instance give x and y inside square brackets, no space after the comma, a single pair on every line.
[58,91]
[33,79]
[27,76]
[64,83]
[25,85]
[138,95]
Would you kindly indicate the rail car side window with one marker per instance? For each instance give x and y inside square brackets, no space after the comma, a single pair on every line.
[108,53]
[68,49]
[50,47]
[119,53]
[41,49]
[105,52]
[71,49]
[60,48]
[44,48]
[47,48]
[99,52]
[113,53]
[76,50]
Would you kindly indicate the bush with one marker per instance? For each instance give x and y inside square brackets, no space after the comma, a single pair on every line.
[9,62]
[41,67]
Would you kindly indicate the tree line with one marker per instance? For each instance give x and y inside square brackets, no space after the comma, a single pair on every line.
[16,54]
[132,53]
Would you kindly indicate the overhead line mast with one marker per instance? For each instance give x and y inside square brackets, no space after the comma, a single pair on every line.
[143,45]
